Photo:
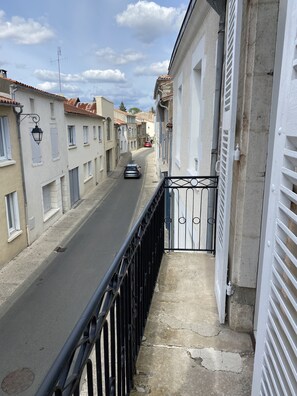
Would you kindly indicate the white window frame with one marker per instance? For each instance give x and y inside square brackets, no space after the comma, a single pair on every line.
[86,134]
[12,214]
[99,133]
[5,139]
[71,135]
[88,171]
[50,200]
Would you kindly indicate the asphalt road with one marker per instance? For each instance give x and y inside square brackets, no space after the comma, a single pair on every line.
[33,331]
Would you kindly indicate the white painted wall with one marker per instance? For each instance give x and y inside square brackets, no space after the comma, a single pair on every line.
[81,153]
[49,169]
[193,72]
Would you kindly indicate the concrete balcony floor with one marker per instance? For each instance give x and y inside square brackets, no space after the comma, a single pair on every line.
[185,351]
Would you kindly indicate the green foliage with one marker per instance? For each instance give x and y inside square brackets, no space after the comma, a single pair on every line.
[134,110]
[122,107]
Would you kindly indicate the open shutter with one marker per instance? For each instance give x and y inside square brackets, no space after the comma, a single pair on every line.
[227,151]
[275,370]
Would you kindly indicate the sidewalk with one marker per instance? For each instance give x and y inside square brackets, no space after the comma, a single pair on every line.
[18,274]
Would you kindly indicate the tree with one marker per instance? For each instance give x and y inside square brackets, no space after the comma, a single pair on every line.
[134,110]
[122,107]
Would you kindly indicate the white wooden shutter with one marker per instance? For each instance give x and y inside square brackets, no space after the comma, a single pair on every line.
[54,142]
[275,371]
[227,151]
[36,150]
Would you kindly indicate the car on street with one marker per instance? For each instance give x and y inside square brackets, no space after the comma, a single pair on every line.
[147,144]
[132,171]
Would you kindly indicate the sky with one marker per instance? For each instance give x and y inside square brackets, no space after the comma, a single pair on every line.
[111,48]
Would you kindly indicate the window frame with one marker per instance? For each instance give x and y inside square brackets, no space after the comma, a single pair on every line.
[71,135]
[5,139]
[12,213]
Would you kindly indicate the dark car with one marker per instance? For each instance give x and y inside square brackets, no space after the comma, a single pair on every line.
[147,144]
[132,171]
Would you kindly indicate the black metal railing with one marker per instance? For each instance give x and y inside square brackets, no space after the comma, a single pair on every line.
[191,213]
[100,355]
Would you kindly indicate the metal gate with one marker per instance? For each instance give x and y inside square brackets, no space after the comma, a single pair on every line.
[186,213]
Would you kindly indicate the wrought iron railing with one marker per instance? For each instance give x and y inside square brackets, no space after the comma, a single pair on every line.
[100,355]
[190,221]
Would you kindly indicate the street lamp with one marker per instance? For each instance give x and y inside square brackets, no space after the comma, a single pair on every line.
[36,131]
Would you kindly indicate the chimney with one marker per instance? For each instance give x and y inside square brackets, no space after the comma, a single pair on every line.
[3,73]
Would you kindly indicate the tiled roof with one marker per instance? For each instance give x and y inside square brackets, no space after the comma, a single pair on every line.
[8,101]
[88,106]
[73,101]
[78,111]
[119,122]
[9,80]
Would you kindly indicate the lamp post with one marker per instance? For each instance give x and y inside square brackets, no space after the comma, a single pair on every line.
[36,131]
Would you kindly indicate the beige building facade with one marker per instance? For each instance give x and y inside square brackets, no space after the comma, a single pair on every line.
[12,204]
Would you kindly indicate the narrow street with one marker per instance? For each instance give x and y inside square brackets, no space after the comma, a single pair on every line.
[37,325]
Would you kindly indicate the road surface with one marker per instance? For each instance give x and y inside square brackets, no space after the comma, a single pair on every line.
[37,325]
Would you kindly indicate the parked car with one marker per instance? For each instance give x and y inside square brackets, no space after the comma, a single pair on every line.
[132,171]
[147,144]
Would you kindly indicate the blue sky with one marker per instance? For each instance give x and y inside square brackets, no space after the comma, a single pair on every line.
[111,48]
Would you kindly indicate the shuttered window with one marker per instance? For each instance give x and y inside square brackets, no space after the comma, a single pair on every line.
[276,352]
[5,148]
[55,143]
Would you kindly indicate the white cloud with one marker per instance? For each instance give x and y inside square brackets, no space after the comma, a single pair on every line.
[155,69]
[150,20]
[104,75]
[128,56]
[48,75]
[48,86]
[23,31]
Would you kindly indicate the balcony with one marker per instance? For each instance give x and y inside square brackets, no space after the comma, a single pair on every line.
[152,325]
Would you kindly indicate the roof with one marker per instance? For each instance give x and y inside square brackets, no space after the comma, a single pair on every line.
[161,79]
[119,122]
[22,85]
[78,111]
[7,101]
[92,107]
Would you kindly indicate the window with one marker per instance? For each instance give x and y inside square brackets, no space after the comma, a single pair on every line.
[50,199]
[52,109]
[71,135]
[94,133]
[86,134]
[88,170]
[55,143]
[36,152]
[32,105]
[99,134]
[12,213]
[5,149]
[108,128]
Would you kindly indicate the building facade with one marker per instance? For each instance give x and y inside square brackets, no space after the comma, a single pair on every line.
[254,123]
[86,154]
[12,204]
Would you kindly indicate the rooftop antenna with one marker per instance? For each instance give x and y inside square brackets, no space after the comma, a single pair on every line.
[59,53]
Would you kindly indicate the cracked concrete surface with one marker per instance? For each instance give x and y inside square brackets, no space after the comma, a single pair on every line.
[185,351]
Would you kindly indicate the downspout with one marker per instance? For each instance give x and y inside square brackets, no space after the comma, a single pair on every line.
[216,121]
[18,121]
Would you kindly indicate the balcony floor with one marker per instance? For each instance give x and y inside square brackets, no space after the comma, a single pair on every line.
[185,351]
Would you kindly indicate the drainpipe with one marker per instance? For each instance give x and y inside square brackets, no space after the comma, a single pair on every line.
[18,121]
[216,121]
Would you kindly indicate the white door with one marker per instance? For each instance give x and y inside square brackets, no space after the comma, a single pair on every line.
[226,151]
[275,369]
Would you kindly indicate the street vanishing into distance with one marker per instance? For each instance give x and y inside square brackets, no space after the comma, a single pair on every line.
[37,325]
